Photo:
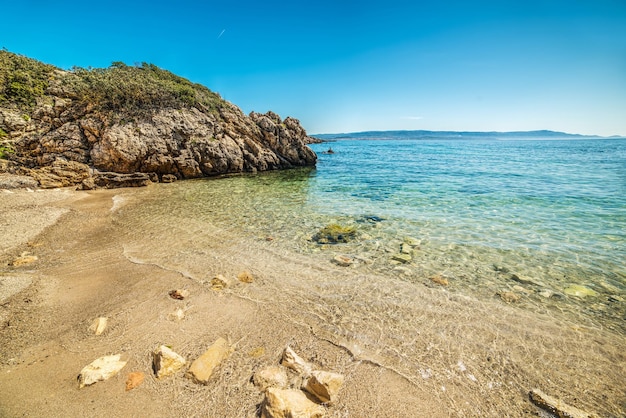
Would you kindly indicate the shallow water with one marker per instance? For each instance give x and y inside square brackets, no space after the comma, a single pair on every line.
[483,212]
[528,217]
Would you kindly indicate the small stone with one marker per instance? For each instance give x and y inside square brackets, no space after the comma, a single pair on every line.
[579,291]
[509,297]
[521,289]
[24,259]
[413,242]
[179,294]
[177,315]
[134,379]
[546,293]
[402,258]
[527,281]
[406,248]
[245,277]
[202,368]
[257,352]
[289,403]
[343,260]
[439,279]
[165,362]
[616,298]
[295,362]
[168,178]
[271,377]
[324,386]
[98,325]
[220,282]
[100,369]
[556,406]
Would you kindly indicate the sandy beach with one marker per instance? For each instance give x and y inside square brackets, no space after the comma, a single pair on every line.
[404,350]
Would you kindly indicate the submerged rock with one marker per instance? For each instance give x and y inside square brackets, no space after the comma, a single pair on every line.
[402,258]
[556,406]
[295,362]
[343,260]
[579,291]
[202,368]
[509,297]
[334,233]
[439,279]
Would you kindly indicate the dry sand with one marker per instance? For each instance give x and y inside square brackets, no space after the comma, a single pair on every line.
[83,272]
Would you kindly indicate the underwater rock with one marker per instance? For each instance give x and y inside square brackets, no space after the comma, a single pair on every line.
[406,248]
[527,281]
[402,258]
[439,279]
[509,297]
[579,291]
[556,406]
[245,277]
[334,234]
[178,294]
[413,242]
[24,259]
[220,282]
[202,368]
[343,260]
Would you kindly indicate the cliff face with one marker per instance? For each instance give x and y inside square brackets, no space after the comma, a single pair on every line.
[74,130]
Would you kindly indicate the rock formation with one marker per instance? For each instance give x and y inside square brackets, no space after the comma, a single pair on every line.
[91,126]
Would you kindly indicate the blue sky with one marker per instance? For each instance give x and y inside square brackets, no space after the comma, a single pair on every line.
[354,66]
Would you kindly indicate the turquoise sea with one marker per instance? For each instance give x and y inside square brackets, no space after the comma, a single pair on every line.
[542,218]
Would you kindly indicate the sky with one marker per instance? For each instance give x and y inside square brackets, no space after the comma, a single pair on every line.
[348,66]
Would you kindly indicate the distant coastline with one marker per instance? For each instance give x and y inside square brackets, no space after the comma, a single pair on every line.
[423,134]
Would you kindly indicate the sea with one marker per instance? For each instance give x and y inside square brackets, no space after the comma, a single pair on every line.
[544,218]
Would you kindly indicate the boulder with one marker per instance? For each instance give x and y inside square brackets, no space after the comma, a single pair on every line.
[100,369]
[579,291]
[111,180]
[289,403]
[202,368]
[165,362]
[324,386]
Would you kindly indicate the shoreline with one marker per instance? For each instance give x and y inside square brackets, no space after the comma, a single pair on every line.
[483,353]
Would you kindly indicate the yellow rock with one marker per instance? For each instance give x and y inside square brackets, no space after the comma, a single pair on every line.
[24,259]
[245,277]
[324,386]
[289,403]
[271,377]
[202,368]
[98,325]
[134,379]
[580,291]
[439,279]
[166,362]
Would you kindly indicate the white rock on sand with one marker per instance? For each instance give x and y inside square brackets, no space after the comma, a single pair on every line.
[100,369]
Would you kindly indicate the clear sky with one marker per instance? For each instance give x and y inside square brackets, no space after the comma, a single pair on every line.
[342,66]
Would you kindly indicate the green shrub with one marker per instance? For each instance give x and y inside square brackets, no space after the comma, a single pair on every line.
[22,79]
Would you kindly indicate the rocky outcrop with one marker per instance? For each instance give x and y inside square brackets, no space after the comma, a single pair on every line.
[62,140]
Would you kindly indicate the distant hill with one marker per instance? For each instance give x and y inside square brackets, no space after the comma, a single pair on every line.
[543,134]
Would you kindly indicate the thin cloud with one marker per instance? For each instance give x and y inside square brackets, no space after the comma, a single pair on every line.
[221,33]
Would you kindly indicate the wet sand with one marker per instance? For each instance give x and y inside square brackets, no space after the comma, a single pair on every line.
[405,350]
